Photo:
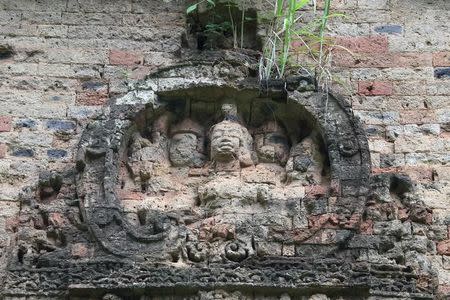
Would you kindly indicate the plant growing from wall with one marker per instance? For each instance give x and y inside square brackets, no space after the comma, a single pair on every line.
[227,19]
[285,29]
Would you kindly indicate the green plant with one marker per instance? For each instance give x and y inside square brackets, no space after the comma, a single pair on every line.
[236,27]
[194,6]
[285,28]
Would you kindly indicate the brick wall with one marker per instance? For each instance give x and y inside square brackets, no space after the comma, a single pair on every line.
[398,79]
[68,57]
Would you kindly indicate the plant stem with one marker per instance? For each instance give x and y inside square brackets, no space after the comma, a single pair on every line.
[233,29]
[242,24]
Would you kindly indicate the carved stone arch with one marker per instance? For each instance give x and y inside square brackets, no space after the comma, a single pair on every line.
[265,215]
[104,141]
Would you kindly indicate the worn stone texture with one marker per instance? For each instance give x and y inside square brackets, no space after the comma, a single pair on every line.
[73,59]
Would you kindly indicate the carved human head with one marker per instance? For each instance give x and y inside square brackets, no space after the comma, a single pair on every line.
[186,146]
[272,144]
[231,141]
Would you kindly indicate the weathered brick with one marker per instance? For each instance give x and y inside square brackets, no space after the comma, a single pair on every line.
[443,247]
[118,57]
[417,116]
[5,123]
[365,44]
[374,88]
[92,98]
[441,59]
[373,4]
[419,143]
[77,56]
[382,60]
[3,150]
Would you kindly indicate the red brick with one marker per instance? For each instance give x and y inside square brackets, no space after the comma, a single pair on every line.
[323,221]
[5,123]
[92,98]
[423,116]
[316,190]
[127,58]
[443,247]
[374,88]
[441,59]
[364,44]
[3,150]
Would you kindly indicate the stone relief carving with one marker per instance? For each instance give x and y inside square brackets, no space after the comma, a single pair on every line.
[239,176]
[191,189]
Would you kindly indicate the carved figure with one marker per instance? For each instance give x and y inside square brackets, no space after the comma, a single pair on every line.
[305,163]
[149,158]
[187,144]
[272,144]
[230,142]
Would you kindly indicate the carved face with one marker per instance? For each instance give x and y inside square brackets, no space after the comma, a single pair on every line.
[272,145]
[183,150]
[225,141]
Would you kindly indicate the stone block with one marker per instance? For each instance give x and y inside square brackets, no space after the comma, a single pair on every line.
[22,152]
[60,125]
[56,153]
[442,73]
[395,228]
[25,123]
[389,29]
[373,4]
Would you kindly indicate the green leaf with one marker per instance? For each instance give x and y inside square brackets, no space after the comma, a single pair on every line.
[300,4]
[191,8]
[211,2]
